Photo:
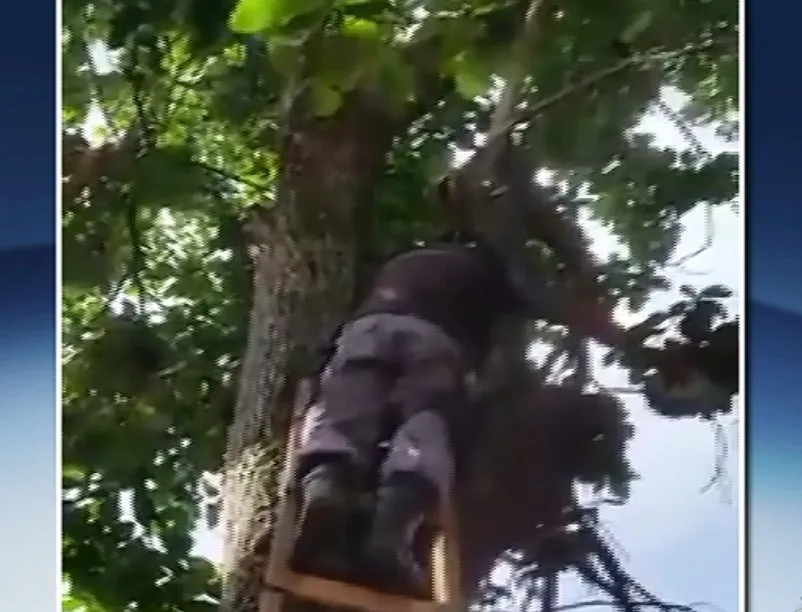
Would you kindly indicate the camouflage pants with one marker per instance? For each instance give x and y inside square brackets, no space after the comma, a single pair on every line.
[396,375]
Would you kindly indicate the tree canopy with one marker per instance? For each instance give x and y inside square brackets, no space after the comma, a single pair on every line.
[188,123]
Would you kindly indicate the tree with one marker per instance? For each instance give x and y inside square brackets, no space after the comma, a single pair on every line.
[260,170]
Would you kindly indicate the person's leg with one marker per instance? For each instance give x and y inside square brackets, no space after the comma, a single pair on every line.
[422,444]
[338,445]
[418,469]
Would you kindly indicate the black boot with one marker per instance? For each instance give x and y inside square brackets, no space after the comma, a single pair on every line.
[329,495]
[388,559]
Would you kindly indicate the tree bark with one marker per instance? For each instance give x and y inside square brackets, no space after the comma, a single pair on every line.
[303,251]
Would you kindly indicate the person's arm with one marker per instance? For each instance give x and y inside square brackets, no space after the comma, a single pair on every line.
[521,292]
[586,311]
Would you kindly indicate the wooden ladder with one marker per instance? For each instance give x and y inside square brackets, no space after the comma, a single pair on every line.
[281,581]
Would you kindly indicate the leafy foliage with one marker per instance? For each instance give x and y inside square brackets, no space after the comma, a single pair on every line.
[196,97]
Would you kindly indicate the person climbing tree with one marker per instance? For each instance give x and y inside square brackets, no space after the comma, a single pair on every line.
[400,364]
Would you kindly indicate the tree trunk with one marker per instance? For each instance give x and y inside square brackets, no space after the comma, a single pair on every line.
[304,255]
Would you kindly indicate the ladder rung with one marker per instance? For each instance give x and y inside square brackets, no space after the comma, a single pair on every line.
[347,595]
[282,582]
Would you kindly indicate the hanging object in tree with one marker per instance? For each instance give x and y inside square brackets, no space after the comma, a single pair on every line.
[695,395]
[696,379]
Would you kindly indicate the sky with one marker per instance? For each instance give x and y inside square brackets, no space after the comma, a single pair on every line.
[774,428]
[28,455]
[672,533]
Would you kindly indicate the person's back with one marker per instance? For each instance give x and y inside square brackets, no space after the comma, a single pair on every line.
[462,289]
[403,358]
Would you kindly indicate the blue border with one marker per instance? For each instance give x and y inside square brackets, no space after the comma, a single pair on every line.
[774,315]
[28,512]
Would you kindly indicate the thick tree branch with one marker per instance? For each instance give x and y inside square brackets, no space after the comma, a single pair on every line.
[500,121]
[638,61]
[84,167]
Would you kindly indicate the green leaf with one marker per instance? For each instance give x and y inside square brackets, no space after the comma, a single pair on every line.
[458,35]
[352,56]
[716,292]
[285,57]
[438,164]
[396,79]
[253,16]
[72,472]
[325,100]
[367,8]
[472,75]
[638,26]
[360,28]
[678,309]
[154,189]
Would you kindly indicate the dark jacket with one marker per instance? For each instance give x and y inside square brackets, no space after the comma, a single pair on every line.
[462,288]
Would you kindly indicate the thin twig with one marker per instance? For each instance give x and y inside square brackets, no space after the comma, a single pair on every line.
[720,475]
[230,176]
[597,603]
[639,61]
[551,591]
[684,129]
[145,141]
[682,270]
[619,390]
[137,254]
[710,234]
[703,153]
[634,61]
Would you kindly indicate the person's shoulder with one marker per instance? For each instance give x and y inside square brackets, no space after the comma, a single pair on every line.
[428,248]
[488,254]
[468,247]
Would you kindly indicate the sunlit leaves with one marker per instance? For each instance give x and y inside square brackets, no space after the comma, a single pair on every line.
[472,74]
[167,177]
[255,16]
[252,16]
[351,56]
[325,100]
[354,27]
